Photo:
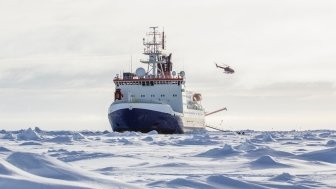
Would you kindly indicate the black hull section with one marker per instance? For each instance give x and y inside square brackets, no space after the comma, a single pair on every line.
[142,120]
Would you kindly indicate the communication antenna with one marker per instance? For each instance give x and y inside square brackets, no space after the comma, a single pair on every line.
[131,63]
[140,72]
[182,73]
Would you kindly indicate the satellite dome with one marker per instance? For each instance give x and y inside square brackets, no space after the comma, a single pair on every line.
[182,73]
[140,72]
[174,73]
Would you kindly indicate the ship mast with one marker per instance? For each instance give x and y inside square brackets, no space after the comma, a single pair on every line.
[153,49]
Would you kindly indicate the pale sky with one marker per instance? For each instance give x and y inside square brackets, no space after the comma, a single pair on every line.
[58,59]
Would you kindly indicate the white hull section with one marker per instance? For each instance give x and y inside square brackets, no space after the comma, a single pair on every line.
[193,119]
[163,108]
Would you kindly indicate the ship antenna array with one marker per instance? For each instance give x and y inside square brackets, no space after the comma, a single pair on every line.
[153,48]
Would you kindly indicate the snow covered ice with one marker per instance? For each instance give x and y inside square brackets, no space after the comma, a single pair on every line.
[34,158]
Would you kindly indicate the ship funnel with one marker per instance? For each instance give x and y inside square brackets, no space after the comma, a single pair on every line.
[163,40]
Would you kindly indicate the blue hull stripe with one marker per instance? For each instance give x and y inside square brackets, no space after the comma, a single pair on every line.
[142,120]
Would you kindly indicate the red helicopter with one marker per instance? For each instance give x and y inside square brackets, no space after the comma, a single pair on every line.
[226,69]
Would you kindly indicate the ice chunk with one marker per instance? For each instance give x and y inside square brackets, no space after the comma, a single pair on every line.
[28,134]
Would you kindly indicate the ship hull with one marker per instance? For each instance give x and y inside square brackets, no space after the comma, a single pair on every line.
[139,118]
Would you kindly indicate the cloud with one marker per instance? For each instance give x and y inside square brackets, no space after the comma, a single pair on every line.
[61,72]
[61,56]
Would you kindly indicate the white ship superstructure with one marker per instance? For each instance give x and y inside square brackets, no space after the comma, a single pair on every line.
[156,98]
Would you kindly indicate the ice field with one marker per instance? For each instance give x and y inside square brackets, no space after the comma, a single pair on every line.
[34,158]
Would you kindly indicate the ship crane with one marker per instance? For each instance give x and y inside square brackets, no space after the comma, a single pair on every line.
[213,112]
[222,109]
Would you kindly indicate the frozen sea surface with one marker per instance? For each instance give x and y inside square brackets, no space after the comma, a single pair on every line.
[34,158]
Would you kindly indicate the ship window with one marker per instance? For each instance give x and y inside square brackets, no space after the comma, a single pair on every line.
[152,83]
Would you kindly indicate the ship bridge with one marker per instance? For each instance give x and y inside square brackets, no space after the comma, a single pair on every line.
[148,81]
